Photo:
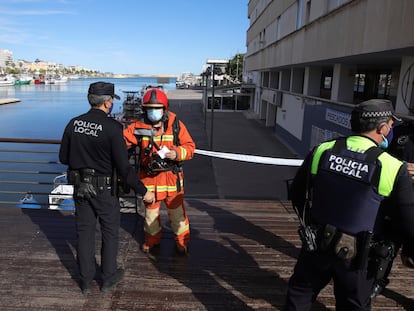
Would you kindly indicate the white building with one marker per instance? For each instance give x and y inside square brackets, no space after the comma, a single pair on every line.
[313,60]
[6,57]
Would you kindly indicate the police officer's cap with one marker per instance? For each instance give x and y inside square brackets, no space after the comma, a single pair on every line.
[103,88]
[374,109]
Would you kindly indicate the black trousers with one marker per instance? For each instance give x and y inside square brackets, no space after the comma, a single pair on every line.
[313,271]
[105,208]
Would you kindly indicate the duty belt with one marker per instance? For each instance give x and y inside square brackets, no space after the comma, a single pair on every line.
[344,246]
[101,181]
[75,177]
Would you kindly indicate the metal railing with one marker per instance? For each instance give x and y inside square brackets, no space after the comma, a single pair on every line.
[31,176]
[27,170]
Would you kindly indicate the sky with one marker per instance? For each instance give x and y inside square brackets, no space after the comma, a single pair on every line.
[125,36]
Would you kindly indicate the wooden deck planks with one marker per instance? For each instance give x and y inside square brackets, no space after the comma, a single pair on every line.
[242,253]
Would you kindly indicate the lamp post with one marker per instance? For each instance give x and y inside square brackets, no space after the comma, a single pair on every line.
[212,106]
[213,63]
[205,75]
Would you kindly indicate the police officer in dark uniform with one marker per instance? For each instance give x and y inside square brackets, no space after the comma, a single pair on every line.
[93,147]
[338,193]
[402,147]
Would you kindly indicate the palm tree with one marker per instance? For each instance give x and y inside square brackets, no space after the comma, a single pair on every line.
[235,68]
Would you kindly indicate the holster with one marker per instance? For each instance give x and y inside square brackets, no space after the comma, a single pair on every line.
[380,258]
[364,240]
[73,177]
[85,190]
[86,184]
[345,246]
[326,238]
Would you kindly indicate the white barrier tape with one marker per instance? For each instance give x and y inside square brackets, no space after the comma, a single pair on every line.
[250,158]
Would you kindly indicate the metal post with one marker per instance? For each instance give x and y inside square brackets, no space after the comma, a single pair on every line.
[213,63]
[212,107]
[205,79]
[237,69]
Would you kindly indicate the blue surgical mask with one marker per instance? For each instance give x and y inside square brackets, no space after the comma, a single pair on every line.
[384,143]
[155,115]
[387,139]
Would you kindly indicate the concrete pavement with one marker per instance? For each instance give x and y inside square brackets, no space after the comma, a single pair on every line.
[233,132]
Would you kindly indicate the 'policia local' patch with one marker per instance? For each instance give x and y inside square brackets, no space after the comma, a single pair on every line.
[348,167]
[87,128]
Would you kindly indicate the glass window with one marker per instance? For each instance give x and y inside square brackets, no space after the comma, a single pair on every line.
[359,83]
[265,79]
[299,15]
[384,85]
[326,83]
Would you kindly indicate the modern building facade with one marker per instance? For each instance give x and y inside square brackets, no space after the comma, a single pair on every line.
[6,57]
[313,60]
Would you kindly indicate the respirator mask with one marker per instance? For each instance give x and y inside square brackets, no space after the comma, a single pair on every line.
[155,114]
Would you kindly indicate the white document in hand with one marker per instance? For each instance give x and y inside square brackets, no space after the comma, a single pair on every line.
[163,151]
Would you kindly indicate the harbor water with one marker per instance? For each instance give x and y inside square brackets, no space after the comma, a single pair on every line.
[45,109]
[42,113]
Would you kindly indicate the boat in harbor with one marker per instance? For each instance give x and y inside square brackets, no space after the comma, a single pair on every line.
[60,79]
[51,79]
[23,80]
[132,105]
[7,80]
[61,196]
[146,87]
[29,201]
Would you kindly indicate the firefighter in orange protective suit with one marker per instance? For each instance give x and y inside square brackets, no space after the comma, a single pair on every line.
[163,142]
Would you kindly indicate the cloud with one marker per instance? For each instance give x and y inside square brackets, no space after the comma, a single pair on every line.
[34,1]
[9,34]
[33,7]
[35,12]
